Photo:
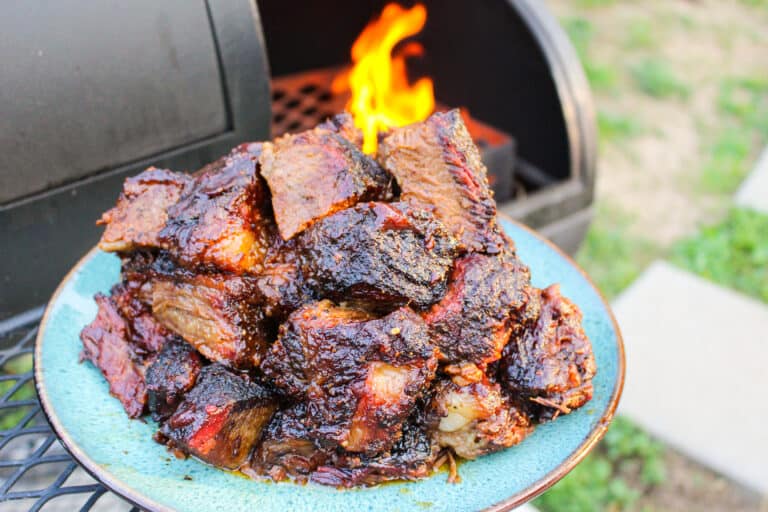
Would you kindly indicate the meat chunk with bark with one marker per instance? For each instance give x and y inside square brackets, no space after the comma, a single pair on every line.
[215,218]
[318,172]
[413,456]
[147,335]
[221,418]
[438,167]
[106,343]
[552,363]
[170,376]
[385,253]
[359,375]
[220,219]
[476,419]
[219,313]
[287,447]
[142,210]
[486,298]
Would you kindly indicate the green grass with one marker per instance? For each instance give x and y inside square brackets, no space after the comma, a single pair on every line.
[728,161]
[10,417]
[613,476]
[745,100]
[640,35]
[741,130]
[616,127]
[655,78]
[733,253]
[610,255]
[602,78]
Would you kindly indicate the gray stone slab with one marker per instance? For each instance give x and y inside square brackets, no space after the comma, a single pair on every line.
[753,193]
[697,370]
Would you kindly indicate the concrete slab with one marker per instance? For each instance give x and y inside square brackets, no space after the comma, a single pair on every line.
[753,193]
[697,369]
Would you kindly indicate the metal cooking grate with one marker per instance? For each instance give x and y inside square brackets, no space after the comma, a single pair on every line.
[36,473]
[301,101]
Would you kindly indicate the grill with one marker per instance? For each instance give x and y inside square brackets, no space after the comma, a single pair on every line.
[36,473]
[176,84]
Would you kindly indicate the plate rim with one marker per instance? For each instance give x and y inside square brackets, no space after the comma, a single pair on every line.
[135,497]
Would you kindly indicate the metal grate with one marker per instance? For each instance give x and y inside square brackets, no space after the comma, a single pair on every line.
[36,473]
[303,100]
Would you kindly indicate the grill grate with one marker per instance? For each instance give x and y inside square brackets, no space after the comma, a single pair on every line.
[36,473]
[301,101]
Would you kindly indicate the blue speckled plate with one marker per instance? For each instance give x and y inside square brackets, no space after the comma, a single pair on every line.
[121,453]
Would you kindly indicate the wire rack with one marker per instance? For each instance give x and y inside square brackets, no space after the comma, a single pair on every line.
[36,473]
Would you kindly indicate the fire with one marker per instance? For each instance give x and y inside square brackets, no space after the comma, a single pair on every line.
[381,96]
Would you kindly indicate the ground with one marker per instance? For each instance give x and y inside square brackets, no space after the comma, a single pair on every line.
[681,90]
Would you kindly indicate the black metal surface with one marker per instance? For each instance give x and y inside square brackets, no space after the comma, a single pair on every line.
[42,235]
[36,473]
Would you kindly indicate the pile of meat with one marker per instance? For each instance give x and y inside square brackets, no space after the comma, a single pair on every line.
[298,309]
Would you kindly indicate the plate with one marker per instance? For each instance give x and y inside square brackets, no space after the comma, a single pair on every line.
[121,453]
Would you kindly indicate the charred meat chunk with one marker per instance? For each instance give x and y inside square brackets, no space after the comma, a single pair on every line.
[438,167]
[475,419]
[147,335]
[219,220]
[287,447]
[172,374]
[551,363]
[413,456]
[384,253]
[359,375]
[486,298]
[142,210]
[221,418]
[316,173]
[219,313]
[216,217]
[106,343]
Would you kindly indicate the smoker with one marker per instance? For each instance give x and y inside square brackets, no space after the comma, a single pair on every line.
[93,92]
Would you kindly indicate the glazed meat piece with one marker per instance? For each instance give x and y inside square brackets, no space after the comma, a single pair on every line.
[287,447]
[220,314]
[147,335]
[142,210]
[359,375]
[170,375]
[487,296]
[551,363]
[475,419]
[215,217]
[438,167]
[106,343]
[221,418]
[316,173]
[385,253]
[220,219]
[413,456]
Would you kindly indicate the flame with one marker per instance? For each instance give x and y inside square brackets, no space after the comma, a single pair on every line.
[381,96]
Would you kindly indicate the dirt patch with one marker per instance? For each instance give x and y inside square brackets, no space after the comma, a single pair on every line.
[653,175]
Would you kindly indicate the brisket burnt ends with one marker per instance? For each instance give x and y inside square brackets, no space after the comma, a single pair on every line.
[552,363]
[318,172]
[223,329]
[476,419]
[386,254]
[219,313]
[486,301]
[107,344]
[172,374]
[359,375]
[215,217]
[438,167]
[221,418]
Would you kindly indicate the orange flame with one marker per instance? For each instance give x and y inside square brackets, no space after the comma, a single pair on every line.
[381,96]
